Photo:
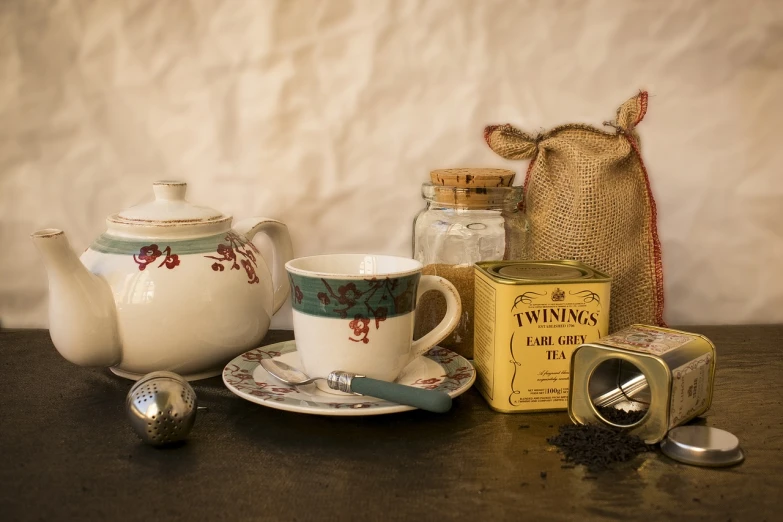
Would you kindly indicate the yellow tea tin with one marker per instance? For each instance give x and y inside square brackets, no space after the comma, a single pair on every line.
[529,316]
[644,379]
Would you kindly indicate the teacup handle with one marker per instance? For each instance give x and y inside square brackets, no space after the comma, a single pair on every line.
[448,323]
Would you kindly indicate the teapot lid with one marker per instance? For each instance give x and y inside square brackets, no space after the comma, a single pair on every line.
[168,214]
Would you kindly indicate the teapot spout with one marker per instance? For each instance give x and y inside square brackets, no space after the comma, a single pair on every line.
[82,313]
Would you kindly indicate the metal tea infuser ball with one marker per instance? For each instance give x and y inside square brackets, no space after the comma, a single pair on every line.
[161,407]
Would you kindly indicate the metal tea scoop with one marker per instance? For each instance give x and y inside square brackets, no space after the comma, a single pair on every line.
[430,400]
[161,407]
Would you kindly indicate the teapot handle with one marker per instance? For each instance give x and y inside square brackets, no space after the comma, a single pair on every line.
[282,252]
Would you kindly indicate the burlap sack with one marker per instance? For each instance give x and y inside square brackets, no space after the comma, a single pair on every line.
[588,198]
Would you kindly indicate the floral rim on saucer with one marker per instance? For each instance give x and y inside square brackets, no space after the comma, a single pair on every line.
[438,369]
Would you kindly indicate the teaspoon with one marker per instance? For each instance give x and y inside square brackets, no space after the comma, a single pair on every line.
[430,400]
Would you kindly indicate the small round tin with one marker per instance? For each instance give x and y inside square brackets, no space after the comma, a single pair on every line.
[702,446]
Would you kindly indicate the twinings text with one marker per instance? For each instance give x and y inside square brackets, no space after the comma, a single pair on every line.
[557,315]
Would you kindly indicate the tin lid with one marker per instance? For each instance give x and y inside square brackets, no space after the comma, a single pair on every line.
[543,272]
[702,446]
[564,271]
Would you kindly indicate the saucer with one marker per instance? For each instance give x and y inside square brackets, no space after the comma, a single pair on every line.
[438,369]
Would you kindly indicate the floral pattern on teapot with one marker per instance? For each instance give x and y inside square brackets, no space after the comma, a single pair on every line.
[150,253]
[233,252]
[228,254]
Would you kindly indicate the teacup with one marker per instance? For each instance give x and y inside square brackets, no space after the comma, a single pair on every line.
[355,313]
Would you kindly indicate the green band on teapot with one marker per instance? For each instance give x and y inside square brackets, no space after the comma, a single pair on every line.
[222,252]
[374,299]
[108,244]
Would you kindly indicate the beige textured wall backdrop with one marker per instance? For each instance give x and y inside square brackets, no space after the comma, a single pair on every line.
[329,114]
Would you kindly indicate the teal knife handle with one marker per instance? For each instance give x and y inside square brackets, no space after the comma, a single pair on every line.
[430,400]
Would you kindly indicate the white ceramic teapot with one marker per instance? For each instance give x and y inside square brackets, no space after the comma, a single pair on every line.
[168,286]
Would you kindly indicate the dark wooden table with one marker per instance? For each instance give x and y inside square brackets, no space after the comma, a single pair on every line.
[68,453]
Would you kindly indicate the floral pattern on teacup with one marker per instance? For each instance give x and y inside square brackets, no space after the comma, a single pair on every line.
[365,302]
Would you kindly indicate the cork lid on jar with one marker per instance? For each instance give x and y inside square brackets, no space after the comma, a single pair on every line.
[471,178]
[472,187]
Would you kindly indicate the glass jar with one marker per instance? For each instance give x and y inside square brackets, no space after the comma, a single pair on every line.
[471,215]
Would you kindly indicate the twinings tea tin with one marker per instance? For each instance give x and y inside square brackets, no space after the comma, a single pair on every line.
[528,318]
[645,379]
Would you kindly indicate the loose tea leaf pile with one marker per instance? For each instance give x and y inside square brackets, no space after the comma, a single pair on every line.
[621,417]
[597,447]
